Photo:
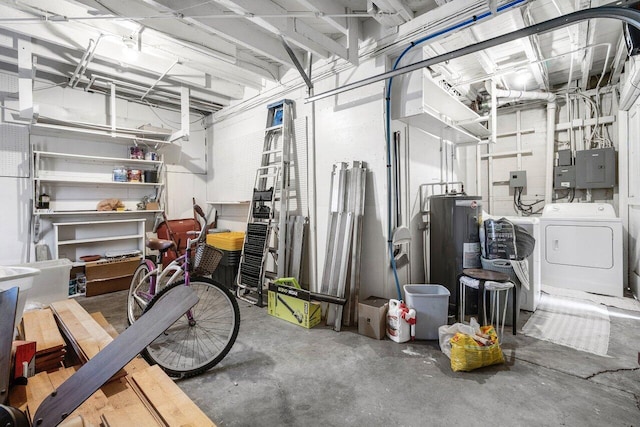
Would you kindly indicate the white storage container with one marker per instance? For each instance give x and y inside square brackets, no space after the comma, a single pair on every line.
[53,282]
[431,303]
[22,277]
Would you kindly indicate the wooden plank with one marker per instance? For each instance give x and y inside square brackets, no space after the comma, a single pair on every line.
[129,410]
[38,388]
[102,321]
[91,408]
[83,329]
[173,405]
[40,326]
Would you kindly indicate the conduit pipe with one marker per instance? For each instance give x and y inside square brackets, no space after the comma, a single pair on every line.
[550,98]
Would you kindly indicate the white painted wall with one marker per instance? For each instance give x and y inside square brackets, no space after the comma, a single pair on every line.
[348,127]
[186,160]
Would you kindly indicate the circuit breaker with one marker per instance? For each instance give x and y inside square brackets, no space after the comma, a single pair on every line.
[564,177]
[596,168]
[564,158]
[517,179]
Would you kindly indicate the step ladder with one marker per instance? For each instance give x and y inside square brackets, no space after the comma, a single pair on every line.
[263,252]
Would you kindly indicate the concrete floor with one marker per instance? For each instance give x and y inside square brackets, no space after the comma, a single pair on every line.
[279,374]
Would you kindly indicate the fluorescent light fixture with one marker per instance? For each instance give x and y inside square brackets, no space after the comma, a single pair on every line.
[522,76]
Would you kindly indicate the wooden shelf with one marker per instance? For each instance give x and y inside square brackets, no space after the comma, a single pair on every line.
[100,239]
[93,212]
[97,159]
[229,202]
[53,127]
[71,181]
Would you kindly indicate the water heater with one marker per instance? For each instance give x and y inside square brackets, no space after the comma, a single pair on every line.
[454,242]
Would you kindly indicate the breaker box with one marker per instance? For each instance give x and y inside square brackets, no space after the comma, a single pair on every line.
[564,158]
[596,168]
[564,177]
[517,179]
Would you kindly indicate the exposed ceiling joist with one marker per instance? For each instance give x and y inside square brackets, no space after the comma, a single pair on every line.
[328,7]
[295,30]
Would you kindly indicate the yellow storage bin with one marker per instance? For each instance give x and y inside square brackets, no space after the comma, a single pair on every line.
[229,241]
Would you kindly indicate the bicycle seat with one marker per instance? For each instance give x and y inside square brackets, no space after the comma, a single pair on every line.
[160,244]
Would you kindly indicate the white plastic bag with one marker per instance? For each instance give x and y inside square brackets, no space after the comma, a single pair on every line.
[446,332]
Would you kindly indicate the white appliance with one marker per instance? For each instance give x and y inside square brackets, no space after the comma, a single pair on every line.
[529,298]
[582,248]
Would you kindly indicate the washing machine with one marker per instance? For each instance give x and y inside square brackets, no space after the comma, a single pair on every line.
[582,248]
[529,298]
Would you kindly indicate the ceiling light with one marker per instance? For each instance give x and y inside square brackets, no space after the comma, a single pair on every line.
[130,49]
[522,76]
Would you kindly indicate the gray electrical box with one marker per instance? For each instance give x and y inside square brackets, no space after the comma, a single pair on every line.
[517,179]
[564,177]
[596,168]
[564,158]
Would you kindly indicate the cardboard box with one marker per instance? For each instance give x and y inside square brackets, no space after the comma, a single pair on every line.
[372,317]
[110,275]
[293,305]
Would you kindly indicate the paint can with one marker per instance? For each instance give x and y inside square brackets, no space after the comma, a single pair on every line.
[135,175]
[120,174]
[151,155]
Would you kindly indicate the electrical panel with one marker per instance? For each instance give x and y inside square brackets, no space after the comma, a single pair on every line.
[564,177]
[564,158]
[517,179]
[596,168]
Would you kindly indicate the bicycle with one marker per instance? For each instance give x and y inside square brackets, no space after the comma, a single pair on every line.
[204,335]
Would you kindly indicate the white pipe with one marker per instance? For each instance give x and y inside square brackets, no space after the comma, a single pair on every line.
[520,95]
[551,132]
[551,127]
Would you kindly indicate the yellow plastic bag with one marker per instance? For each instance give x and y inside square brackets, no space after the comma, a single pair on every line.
[467,354]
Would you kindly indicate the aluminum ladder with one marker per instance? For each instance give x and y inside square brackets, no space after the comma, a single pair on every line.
[263,252]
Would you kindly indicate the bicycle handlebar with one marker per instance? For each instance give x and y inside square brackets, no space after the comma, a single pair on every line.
[199,211]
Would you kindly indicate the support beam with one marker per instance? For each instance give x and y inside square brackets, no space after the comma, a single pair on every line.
[328,7]
[25,79]
[184,117]
[293,29]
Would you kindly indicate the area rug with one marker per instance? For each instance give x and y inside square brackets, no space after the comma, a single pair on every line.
[623,303]
[579,324]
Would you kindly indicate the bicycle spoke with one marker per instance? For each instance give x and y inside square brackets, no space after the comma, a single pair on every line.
[186,349]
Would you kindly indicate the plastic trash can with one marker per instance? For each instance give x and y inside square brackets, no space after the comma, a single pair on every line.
[22,277]
[431,303]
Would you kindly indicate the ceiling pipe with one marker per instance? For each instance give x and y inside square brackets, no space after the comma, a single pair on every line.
[550,98]
[624,14]
[521,95]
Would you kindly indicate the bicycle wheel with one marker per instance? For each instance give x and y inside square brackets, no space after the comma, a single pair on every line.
[139,291]
[189,348]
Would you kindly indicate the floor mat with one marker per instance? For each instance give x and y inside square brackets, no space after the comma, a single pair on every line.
[574,323]
[623,303]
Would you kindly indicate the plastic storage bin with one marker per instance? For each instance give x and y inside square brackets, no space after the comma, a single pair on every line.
[431,303]
[53,282]
[22,277]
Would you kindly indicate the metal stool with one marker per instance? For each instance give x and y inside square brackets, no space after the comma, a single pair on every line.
[502,283]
